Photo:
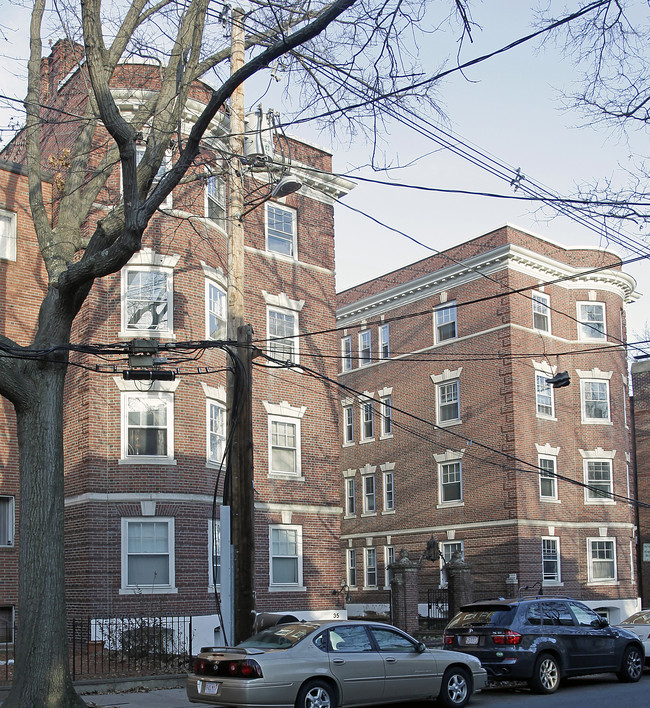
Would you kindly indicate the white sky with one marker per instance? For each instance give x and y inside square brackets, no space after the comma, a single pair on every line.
[509,106]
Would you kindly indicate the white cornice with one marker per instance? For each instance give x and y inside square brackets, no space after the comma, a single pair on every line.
[507,256]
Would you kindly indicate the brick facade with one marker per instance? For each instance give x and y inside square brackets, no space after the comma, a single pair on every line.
[106,488]
[469,428]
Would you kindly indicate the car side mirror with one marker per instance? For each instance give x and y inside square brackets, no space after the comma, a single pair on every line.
[421,647]
[600,623]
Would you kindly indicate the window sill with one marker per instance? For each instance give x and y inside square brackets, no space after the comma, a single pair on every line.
[450,504]
[388,511]
[613,581]
[368,513]
[144,460]
[366,440]
[215,465]
[388,436]
[596,421]
[145,334]
[370,587]
[148,590]
[287,476]
[350,516]
[542,416]
[449,423]
[287,588]
[550,500]
[552,584]
[348,444]
[600,502]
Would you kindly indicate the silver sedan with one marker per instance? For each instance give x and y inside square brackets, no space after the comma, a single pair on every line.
[331,665]
[639,623]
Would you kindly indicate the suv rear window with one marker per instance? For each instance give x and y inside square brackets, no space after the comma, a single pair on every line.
[487,616]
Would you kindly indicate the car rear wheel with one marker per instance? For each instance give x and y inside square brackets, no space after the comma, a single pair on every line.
[456,688]
[316,694]
[631,666]
[546,674]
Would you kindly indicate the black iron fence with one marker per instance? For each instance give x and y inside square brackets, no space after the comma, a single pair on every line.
[119,646]
[439,610]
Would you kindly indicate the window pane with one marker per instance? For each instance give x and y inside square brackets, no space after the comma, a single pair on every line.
[280,230]
[217,432]
[147,300]
[596,396]
[281,326]
[592,318]
[448,401]
[541,312]
[544,395]
[446,323]
[6,521]
[547,479]
[450,479]
[216,312]
[285,570]
[599,479]
[146,426]
[216,192]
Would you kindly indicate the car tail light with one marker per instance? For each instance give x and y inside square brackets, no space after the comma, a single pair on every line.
[201,666]
[508,637]
[447,639]
[248,668]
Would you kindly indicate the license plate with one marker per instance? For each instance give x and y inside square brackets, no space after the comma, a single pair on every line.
[211,688]
[471,640]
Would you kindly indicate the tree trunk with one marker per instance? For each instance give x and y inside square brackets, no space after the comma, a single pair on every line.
[41,670]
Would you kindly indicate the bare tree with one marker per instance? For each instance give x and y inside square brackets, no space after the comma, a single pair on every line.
[335,51]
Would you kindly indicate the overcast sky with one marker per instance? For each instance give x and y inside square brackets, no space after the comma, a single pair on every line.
[509,107]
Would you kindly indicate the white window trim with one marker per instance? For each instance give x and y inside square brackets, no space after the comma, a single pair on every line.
[547,303]
[214,523]
[590,579]
[538,413]
[147,260]
[585,464]
[346,354]
[581,336]
[362,334]
[388,562]
[348,407]
[542,497]
[386,414]
[368,470]
[351,553]
[583,403]
[286,587]
[364,402]
[213,395]
[295,339]
[9,252]
[445,306]
[213,282]
[161,389]
[380,330]
[450,421]
[148,589]
[11,520]
[349,482]
[366,566]
[453,502]
[294,227]
[388,470]
[206,202]
[279,474]
[558,582]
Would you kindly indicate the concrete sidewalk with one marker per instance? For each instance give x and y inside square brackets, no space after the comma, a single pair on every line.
[157,698]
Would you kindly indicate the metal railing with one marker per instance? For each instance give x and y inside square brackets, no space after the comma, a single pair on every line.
[439,610]
[119,646]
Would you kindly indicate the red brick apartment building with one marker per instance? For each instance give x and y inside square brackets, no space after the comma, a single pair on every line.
[641,418]
[450,428]
[142,461]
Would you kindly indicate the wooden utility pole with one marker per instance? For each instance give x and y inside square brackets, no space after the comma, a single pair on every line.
[239,384]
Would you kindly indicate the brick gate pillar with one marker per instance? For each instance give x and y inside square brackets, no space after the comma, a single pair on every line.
[404,595]
[461,590]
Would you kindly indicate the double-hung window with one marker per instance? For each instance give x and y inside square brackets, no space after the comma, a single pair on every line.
[346,353]
[351,558]
[386,416]
[367,420]
[365,348]
[283,328]
[148,554]
[285,553]
[550,559]
[148,305]
[598,478]
[215,311]
[591,320]
[447,549]
[6,521]
[547,478]
[215,200]
[544,396]
[371,567]
[8,235]
[384,341]
[451,482]
[165,166]
[595,401]
[445,322]
[389,559]
[389,491]
[448,401]
[350,496]
[216,429]
[285,458]
[602,560]
[147,426]
[348,425]
[541,312]
[369,499]
[281,230]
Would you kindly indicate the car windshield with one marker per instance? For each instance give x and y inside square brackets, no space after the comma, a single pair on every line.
[638,618]
[282,636]
[487,616]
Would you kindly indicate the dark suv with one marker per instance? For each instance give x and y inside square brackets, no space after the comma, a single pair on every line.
[542,640]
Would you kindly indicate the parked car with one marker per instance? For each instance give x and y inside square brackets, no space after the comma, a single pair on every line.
[542,640]
[639,623]
[331,665]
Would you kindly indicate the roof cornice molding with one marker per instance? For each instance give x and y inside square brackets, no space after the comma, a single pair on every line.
[507,256]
